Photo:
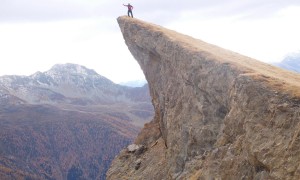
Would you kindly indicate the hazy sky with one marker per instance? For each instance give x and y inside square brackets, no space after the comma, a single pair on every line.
[36,34]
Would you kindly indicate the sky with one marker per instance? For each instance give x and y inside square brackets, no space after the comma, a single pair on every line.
[35,34]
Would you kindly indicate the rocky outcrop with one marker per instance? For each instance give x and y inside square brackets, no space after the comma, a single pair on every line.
[218,114]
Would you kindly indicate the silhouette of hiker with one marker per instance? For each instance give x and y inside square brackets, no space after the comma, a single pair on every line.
[129,9]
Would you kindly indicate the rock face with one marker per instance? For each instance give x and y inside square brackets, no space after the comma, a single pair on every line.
[218,114]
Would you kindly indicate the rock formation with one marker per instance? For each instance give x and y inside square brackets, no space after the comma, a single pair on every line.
[218,114]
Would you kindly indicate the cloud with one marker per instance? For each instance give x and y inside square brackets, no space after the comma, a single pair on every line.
[49,10]
[37,10]
[36,46]
[267,37]
[168,11]
[157,11]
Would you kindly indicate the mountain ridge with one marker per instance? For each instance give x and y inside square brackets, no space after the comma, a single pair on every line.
[68,81]
[66,123]
[80,86]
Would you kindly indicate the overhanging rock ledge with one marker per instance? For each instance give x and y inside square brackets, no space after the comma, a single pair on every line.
[218,114]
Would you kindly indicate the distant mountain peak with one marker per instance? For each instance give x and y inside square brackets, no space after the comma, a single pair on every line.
[71,69]
[70,74]
[291,62]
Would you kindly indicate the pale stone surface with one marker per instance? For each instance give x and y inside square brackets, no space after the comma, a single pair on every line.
[218,114]
[133,147]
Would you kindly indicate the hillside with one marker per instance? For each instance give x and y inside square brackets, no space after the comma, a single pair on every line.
[66,123]
[218,114]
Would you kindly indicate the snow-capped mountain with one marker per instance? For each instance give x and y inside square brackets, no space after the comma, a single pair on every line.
[64,83]
[291,62]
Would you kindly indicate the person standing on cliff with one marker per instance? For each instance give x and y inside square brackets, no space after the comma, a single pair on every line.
[129,9]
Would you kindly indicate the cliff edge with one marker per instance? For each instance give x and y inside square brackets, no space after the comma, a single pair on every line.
[218,114]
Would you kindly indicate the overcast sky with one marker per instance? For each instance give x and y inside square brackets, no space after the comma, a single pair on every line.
[36,34]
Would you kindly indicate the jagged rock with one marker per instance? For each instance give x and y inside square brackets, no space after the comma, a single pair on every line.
[133,147]
[219,114]
[137,164]
[136,149]
[140,150]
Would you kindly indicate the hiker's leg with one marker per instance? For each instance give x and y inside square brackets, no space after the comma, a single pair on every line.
[131,14]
